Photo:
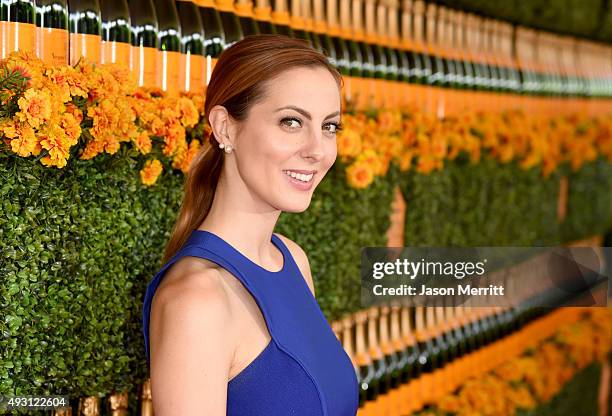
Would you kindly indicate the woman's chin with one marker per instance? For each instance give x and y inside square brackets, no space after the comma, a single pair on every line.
[296,206]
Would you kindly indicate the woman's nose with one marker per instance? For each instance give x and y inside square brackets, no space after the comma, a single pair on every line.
[313,147]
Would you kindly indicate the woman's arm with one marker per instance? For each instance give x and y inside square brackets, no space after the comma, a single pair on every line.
[191,346]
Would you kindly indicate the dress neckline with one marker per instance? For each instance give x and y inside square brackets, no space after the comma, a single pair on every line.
[275,241]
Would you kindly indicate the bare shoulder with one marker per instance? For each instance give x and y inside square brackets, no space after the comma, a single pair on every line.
[300,258]
[191,341]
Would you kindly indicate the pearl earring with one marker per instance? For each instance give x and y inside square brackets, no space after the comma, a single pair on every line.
[228,148]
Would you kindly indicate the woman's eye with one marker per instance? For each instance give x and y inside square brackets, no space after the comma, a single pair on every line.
[290,119]
[337,127]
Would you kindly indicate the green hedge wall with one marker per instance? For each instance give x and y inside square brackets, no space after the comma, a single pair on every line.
[579,397]
[80,244]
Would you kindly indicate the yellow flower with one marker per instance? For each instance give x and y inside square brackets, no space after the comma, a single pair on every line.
[23,141]
[54,140]
[349,143]
[143,142]
[371,158]
[183,159]
[35,106]
[359,174]
[187,112]
[150,172]
[71,127]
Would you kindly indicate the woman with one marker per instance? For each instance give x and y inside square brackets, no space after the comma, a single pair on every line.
[234,325]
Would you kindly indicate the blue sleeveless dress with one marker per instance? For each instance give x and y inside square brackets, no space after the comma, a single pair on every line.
[303,371]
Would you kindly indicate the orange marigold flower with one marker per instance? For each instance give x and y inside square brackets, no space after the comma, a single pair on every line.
[71,127]
[150,172]
[188,112]
[23,140]
[359,174]
[143,142]
[348,143]
[35,106]
[54,140]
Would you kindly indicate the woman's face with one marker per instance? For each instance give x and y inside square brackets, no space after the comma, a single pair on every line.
[288,141]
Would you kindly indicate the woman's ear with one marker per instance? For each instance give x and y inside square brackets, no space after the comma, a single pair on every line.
[221,124]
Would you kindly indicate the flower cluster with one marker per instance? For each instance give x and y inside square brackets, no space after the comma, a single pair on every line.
[86,110]
[538,375]
[423,142]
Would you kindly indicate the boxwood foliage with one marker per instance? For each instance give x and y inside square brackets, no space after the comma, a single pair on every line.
[492,204]
[579,397]
[80,244]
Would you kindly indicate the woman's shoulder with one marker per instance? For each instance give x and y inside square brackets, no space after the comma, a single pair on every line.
[194,286]
[190,277]
[301,259]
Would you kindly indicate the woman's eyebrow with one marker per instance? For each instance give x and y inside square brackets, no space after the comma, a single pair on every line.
[304,112]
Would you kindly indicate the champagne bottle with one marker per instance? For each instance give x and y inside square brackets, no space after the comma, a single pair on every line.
[436,76]
[472,49]
[85,31]
[52,31]
[381,376]
[446,47]
[18,26]
[363,72]
[437,352]
[320,26]
[425,355]
[388,44]
[310,27]
[490,84]
[410,91]
[398,46]
[448,94]
[262,13]
[116,36]
[462,77]
[455,40]
[461,47]
[496,82]
[246,16]
[354,54]
[496,49]
[366,373]
[413,397]
[281,18]
[169,46]
[446,344]
[347,327]
[400,348]
[296,21]
[380,59]
[448,66]
[192,76]
[456,351]
[418,67]
[391,358]
[143,63]
[422,58]
[213,35]
[232,31]
[342,56]
[505,35]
